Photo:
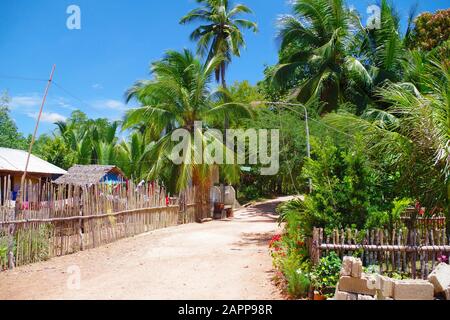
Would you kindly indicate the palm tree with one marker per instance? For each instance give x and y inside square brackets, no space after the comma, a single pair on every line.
[78,140]
[412,134]
[316,38]
[131,156]
[383,49]
[178,97]
[221,34]
[92,141]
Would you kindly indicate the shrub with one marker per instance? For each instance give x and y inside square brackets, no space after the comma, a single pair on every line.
[389,220]
[3,250]
[325,275]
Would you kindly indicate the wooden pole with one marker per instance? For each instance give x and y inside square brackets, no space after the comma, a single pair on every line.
[18,205]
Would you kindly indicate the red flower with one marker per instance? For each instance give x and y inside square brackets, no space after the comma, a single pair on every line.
[275,239]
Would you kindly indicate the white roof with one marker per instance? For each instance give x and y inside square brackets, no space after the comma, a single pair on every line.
[15,161]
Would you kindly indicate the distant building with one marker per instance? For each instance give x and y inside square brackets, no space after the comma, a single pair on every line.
[91,175]
[12,165]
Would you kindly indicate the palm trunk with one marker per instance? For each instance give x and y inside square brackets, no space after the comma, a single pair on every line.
[202,189]
[225,126]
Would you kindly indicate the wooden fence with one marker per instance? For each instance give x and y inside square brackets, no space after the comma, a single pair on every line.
[59,220]
[413,252]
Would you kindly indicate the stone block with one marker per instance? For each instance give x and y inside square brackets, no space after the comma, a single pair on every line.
[365,297]
[386,287]
[357,268]
[355,285]
[384,284]
[351,267]
[413,290]
[346,269]
[344,296]
[440,277]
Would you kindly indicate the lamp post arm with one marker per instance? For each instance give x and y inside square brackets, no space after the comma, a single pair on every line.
[287,105]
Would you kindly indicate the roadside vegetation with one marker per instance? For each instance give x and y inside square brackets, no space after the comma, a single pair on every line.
[379,107]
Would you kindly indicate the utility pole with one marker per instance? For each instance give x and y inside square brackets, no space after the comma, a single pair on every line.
[18,206]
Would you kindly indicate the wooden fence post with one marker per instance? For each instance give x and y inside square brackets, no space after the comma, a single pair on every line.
[315,247]
[11,262]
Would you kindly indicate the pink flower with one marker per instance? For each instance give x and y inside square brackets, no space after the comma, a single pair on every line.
[443,259]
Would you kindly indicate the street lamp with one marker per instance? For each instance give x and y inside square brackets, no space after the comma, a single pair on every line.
[288,106]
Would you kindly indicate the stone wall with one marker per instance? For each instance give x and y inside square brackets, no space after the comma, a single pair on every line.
[356,285]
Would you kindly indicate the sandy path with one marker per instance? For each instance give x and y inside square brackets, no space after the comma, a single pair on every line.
[216,260]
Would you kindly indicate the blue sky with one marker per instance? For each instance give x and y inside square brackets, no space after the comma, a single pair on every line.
[117,41]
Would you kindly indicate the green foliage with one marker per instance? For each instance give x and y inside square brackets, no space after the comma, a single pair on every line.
[344,186]
[388,220]
[3,248]
[298,281]
[10,137]
[220,31]
[326,274]
[54,150]
[314,40]
[431,30]
[179,96]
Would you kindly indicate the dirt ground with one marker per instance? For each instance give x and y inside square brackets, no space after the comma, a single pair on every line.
[215,260]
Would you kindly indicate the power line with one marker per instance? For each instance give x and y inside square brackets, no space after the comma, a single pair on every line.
[60,87]
[9,77]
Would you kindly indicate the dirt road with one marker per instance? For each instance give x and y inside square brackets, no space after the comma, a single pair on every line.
[216,260]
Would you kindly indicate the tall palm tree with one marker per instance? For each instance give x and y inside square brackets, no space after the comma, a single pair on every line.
[316,39]
[383,49]
[220,32]
[413,133]
[178,97]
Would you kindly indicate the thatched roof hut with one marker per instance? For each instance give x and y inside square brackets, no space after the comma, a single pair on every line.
[91,174]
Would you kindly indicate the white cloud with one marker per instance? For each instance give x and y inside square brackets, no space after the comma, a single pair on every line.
[62,103]
[110,104]
[97,86]
[28,102]
[49,117]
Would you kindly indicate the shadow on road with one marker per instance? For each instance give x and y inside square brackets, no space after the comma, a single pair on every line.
[266,212]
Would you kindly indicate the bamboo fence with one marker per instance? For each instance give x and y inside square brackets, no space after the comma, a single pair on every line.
[57,220]
[413,252]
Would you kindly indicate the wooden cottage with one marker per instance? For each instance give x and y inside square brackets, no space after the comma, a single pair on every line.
[12,166]
[92,174]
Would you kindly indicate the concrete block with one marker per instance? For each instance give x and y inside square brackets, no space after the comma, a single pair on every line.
[344,296]
[440,277]
[413,290]
[346,269]
[351,267]
[386,287]
[357,268]
[373,282]
[365,297]
[383,284]
[355,285]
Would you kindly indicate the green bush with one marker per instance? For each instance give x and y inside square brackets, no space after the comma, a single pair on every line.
[3,249]
[386,219]
[325,275]
[297,277]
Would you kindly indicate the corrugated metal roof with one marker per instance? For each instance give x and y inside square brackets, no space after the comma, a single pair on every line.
[15,161]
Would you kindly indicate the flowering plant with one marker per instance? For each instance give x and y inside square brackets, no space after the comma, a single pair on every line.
[443,259]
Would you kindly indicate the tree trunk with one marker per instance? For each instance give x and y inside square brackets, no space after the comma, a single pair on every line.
[226,124]
[202,189]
